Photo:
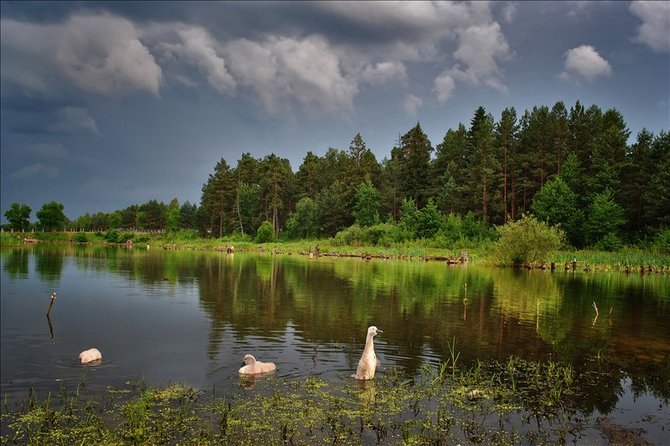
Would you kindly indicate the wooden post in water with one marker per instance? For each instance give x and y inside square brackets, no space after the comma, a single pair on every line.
[53,299]
[51,302]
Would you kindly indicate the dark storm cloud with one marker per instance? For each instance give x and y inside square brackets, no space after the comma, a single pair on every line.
[107,104]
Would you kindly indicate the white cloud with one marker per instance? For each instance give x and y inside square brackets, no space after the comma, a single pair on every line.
[480,47]
[198,48]
[101,54]
[74,120]
[584,62]
[655,28]
[282,70]
[384,72]
[509,11]
[35,170]
[444,86]
[412,104]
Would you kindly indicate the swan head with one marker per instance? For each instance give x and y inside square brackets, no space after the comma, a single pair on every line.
[249,359]
[373,331]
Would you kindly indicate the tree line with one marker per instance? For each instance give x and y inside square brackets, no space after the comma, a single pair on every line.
[572,168]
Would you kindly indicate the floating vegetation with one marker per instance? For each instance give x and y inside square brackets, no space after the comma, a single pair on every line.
[513,402]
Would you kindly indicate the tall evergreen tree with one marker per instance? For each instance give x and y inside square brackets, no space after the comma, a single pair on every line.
[560,133]
[218,199]
[483,163]
[414,162]
[450,171]
[636,174]
[331,206]
[391,189]
[656,197]
[363,163]
[277,189]
[506,140]
[307,180]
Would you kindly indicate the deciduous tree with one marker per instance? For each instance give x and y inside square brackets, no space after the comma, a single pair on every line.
[18,216]
[51,216]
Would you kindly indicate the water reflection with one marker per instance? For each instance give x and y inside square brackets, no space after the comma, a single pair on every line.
[310,315]
[15,262]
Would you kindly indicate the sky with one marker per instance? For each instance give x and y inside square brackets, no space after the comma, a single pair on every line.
[108,104]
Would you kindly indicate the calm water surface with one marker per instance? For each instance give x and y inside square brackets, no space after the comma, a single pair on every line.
[165,316]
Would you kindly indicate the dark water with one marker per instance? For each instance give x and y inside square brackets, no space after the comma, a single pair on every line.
[166,316]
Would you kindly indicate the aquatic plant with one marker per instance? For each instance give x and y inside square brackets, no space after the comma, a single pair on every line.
[490,402]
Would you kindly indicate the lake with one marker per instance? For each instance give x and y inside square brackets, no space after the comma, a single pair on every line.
[185,316]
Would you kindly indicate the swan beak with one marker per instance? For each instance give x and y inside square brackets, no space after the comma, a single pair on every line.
[379,331]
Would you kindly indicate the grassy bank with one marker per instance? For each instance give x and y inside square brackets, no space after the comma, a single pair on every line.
[491,403]
[629,260]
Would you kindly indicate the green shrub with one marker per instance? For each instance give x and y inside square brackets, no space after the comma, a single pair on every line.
[381,234]
[80,237]
[265,233]
[610,242]
[112,236]
[527,241]
[351,236]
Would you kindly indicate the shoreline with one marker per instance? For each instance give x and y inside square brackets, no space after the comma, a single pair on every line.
[631,261]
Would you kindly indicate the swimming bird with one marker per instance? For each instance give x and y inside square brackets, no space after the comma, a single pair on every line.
[368,363]
[90,355]
[254,367]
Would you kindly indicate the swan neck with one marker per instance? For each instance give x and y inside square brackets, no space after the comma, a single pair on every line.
[369,343]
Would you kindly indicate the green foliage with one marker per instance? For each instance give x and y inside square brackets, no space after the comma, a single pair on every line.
[662,241]
[265,233]
[605,217]
[351,236]
[414,162]
[366,210]
[495,170]
[115,219]
[409,219]
[115,236]
[51,216]
[429,221]
[526,241]
[173,218]
[556,205]
[332,209]
[383,234]
[304,221]
[457,230]
[112,236]
[80,237]
[610,242]
[248,207]
[18,216]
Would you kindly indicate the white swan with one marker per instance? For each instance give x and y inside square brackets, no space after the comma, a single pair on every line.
[90,355]
[254,367]
[368,363]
